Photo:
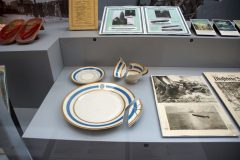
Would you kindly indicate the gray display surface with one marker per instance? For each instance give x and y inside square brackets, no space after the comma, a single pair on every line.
[48,123]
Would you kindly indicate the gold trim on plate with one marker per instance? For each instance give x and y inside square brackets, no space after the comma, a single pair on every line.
[97,83]
[103,90]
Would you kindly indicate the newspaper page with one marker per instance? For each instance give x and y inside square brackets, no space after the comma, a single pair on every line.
[227,87]
[186,107]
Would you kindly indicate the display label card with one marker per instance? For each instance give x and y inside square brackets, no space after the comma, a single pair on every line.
[83,14]
[122,20]
[165,20]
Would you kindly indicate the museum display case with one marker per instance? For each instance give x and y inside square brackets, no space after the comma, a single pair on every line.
[49,74]
[190,55]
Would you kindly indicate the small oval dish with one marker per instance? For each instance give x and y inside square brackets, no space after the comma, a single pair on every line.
[120,69]
[85,75]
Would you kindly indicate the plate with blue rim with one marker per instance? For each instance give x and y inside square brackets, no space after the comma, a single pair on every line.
[85,75]
[98,106]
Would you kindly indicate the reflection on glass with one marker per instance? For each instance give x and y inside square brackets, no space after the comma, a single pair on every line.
[3,87]
[49,10]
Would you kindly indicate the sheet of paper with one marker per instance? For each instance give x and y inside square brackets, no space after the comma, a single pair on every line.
[83,14]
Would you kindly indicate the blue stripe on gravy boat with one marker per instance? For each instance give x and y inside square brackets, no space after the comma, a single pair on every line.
[117,73]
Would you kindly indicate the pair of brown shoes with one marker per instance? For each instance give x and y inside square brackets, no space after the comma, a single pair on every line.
[21,31]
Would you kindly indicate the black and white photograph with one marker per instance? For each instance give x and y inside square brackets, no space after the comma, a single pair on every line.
[130,12]
[119,18]
[162,14]
[183,89]
[231,90]
[197,117]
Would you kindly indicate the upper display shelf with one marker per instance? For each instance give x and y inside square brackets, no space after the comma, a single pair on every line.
[164,20]
[55,31]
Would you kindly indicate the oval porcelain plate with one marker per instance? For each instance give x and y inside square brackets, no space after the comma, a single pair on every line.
[97,106]
[85,75]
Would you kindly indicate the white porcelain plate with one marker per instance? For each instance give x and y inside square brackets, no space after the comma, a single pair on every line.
[86,75]
[97,106]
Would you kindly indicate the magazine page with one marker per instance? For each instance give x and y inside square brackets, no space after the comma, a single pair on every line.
[186,107]
[227,87]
